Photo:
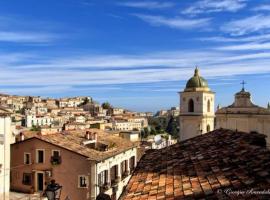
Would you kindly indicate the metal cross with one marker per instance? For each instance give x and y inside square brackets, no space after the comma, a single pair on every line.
[243,84]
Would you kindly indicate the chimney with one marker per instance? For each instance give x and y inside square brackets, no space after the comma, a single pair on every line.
[87,135]
[21,136]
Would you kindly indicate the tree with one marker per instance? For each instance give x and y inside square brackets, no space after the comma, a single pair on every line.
[172,127]
[35,128]
[106,105]
[153,131]
[85,101]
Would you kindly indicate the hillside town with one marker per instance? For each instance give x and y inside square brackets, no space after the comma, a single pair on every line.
[42,139]
[90,151]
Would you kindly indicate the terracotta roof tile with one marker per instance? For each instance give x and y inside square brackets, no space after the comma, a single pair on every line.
[72,140]
[203,168]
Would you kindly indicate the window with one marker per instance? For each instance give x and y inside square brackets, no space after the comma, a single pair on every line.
[40,156]
[83,181]
[190,106]
[208,128]
[123,167]
[132,163]
[114,172]
[27,178]
[102,177]
[27,158]
[55,153]
[208,106]
[56,158]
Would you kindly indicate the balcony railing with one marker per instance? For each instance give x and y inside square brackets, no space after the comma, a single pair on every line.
[56,160]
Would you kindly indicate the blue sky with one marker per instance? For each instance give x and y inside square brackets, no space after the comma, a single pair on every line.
[134,54]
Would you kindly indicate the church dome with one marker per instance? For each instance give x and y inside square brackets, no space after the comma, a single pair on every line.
[196,81]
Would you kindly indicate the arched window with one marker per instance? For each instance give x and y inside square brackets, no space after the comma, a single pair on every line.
[208,128]
[208,106]
[190,106]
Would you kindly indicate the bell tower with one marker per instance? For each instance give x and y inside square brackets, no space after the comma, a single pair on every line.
[197,103]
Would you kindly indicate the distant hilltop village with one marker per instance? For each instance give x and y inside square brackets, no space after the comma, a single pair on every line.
[83,150]
[69,113]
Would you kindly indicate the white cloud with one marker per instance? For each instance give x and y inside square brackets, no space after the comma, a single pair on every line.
[265,7]
[66,74]
[207,6]
[257,23]
[257,38]
[248,46]
[26,37]
[17,29]
[147,4]
[178,22]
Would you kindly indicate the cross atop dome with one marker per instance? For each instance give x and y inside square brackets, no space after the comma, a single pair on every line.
[243,85]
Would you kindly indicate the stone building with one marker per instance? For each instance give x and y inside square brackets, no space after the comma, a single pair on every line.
[245,116]
[197,108]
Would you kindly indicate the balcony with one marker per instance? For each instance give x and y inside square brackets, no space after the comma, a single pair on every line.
[56,160]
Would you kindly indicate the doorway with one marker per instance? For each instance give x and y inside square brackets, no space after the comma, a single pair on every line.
[40,181]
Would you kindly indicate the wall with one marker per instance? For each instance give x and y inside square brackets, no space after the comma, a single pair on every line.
[5,135]
[245,123]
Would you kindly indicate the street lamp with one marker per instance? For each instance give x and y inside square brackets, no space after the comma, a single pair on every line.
[53,191]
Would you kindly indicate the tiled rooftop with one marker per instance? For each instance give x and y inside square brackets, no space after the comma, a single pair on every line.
[72,140]
[205,167]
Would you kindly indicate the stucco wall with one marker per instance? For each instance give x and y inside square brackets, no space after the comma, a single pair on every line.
[245,123]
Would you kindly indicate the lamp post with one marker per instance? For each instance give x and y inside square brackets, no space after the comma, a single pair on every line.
[53,191]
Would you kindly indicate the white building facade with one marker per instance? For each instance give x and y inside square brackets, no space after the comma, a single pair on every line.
[5,135]
[112,175]
[196,108]
[126,126]
[35,120]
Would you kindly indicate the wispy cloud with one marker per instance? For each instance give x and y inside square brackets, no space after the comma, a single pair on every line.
[208,6]
[248,46]
[178,22]
[265,7]
[166,66]
[257,38]
[26,37]
[147,4]
[257,23]
[14,29]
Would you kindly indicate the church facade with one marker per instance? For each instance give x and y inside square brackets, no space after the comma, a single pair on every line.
[244,116]
[197,112]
